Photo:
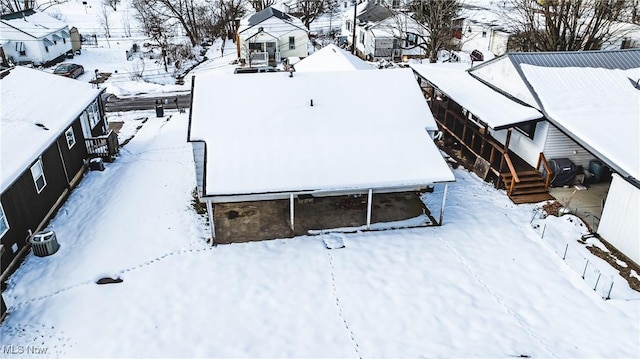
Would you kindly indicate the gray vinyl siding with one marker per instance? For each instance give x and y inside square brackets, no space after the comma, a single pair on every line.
[199,159]
[558,145]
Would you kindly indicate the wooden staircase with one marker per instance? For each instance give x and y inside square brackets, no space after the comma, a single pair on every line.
[531,187]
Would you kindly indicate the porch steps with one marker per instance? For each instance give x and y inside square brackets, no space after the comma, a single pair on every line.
[530,189]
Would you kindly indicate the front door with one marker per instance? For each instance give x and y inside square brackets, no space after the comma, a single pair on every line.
[271,50]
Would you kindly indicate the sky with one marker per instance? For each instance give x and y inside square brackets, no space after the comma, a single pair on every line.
[490,282]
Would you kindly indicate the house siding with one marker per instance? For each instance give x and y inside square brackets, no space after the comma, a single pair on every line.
[619,224]
[25,208]
[528,149]
[559,145]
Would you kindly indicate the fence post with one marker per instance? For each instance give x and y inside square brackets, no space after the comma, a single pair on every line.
[610,288]
[535,212]
[585,269]
[564,256]
[597,280]
[543,229]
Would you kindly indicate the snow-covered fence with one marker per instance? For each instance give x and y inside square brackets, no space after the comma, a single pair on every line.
[592,269]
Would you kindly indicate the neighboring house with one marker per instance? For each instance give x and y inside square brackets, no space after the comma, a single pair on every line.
[50,126]
[34,37]
[481,29]
[314,136]
[268,36]
[331,58]
[518,111]
[381,33]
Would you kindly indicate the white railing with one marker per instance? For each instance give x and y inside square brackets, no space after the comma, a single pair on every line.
[259,58]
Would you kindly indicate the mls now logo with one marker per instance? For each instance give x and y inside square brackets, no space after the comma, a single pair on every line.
[24,349]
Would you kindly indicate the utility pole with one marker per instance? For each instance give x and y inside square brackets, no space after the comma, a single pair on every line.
[353,38]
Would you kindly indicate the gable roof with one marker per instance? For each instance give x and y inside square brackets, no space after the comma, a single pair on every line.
[331,58]
[373,13]
[261,16]
[34,23]
[344,142]
[597,107]
[505,74]
[31,97]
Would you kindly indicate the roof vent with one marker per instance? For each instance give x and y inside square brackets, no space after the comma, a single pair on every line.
[42,126]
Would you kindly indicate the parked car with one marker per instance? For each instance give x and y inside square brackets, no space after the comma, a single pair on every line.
[69,70]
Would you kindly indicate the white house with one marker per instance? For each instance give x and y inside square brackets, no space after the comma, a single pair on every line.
[268,36]
[583,106]
[381,33]
[314,136]
[34,37]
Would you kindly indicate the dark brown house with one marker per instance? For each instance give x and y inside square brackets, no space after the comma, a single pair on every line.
[50,127]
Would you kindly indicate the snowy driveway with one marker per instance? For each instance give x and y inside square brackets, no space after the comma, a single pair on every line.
[482,285]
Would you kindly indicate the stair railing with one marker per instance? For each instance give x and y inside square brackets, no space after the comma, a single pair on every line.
[543,160]
[514,175]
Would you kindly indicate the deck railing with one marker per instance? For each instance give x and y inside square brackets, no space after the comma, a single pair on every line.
[543,160]
[103,146]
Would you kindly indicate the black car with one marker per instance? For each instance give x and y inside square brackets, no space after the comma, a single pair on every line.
[69,70]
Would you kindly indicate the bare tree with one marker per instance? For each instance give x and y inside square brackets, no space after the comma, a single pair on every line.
[309,10]
[113,4]
[166,13]
[126,23]
[437,18]
[104,17]
[228,12]
[9,6]
[566,25]
[259,5]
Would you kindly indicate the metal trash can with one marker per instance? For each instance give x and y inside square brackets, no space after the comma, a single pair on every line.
[601,172]
[44,243]
[159,108]
[96,164]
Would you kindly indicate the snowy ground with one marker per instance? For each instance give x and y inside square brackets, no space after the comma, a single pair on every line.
[491,282]
[483,285]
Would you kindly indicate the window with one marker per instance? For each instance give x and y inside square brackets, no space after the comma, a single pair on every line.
[348,26]
[71,138]
[38,175]
[484,34]
[529,129]
[412,39]
[4,224]
[362,37]
[94,114]
[21,48]
[292,42]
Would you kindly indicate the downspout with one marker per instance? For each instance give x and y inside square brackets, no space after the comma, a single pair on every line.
[211,223]
[444,199]
[64,165]
[369,208]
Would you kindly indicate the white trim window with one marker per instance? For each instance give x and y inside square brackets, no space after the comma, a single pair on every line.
[292,42]
[94,114]
[70,136]
[37,172]
[4,224]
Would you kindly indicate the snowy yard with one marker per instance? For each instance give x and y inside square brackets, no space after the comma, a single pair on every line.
[483,285]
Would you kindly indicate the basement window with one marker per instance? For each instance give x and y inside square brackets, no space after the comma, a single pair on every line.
[37,172]
[4,224]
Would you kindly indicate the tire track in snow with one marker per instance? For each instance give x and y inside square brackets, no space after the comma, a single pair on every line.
[498,299]
[340,314]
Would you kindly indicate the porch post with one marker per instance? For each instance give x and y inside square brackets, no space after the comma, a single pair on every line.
[291,209]
[444,199]
[369,206]
[506,148]
[211,223]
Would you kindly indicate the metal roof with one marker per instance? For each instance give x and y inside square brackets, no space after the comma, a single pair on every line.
[610,59]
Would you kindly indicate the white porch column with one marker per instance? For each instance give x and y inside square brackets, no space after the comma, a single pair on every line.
[369,198]
[444,199]
[291,209]
[211,224]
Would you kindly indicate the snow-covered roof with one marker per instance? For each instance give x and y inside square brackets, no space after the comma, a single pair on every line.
[31,97]
[331,58]
[599,108]
[259,17]
[491,107]
[365,129]
[34,23]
